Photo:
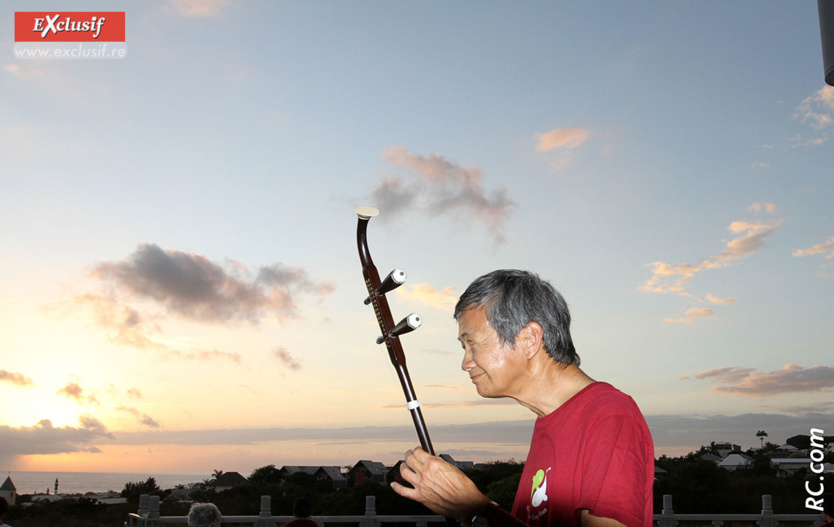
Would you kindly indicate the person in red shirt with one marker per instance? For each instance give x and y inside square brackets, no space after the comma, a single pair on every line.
[591,459]
[301,511]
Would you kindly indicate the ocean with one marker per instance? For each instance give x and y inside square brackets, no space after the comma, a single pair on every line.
[81,482]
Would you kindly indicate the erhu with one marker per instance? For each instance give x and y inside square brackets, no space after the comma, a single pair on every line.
[390,332]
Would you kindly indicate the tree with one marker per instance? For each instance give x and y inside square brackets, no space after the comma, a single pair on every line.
[266,476]
[761,434]
[134,490]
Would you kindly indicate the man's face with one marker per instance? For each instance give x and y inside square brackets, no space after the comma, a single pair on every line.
[492,367]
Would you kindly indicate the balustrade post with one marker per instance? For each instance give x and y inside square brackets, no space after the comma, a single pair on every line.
[767,512]
[153,513]
[370,512]
[265,514]
[667,513]
[143,505]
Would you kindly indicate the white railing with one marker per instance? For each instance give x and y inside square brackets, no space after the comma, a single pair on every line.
[767,518]
[148,516]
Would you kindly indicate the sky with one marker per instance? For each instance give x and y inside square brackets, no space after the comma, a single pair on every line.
[180,289]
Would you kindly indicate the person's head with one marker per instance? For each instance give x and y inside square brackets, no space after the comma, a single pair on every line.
[301,508]
[512,299]
[204,515]
[4,507]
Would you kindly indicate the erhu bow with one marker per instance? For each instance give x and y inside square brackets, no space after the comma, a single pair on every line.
[390,332]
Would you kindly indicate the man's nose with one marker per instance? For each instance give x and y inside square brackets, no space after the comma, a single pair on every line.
[467,363]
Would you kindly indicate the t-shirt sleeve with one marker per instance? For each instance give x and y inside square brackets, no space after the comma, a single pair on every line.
[613,479]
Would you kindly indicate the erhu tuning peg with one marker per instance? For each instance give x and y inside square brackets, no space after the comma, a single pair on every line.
[395,279]
[406,325]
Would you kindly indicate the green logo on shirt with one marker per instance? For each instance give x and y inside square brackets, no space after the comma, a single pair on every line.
[538,494]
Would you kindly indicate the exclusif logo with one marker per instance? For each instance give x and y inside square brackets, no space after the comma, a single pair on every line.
[64,26]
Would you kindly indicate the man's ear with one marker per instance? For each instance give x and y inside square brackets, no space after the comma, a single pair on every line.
[532,339]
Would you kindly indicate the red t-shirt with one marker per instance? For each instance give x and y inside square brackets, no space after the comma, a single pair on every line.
[594,452]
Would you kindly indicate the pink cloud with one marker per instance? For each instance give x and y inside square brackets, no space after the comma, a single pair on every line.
[444,299]
[821,248]
[562,138]
[691,315]
[672,278]
[792,378]
[437,186]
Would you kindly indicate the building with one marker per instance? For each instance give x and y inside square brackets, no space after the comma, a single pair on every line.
[229,480]
[366,470]
[8,491]
[289,470]
[725,448]
[333,475]
[711,457]
[735,462]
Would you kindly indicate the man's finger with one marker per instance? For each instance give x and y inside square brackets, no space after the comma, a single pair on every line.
[408,473]
[404,491]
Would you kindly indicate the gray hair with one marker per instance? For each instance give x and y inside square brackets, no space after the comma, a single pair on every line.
[204,515]
[515,298]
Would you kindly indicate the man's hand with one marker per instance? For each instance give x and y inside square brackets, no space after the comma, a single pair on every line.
[441,487]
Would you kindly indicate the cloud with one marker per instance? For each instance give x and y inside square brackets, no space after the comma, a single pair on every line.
[691,315]
[133,393]
[821,248]
[22,72]
[199,8]
[43,438]
[679,434]
[562,141]
[437,186]
[92,424]
[671,278]
[128,327]
[719,301]
[818,109]
[473,403]
[153,284]
[444,299]
[15,378]
[145,419]
[284,356]
[726,375]
[568,138]
[195,288]
[813,408]
[75,391]
[764,206]
[507,432]
[207,355]
[792,378]
[674,434]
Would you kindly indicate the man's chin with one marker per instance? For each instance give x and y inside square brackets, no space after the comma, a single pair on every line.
[486,393]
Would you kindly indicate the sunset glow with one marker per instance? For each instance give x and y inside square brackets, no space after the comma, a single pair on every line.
[180,289]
